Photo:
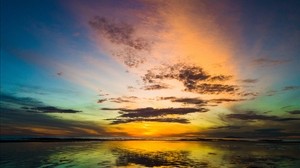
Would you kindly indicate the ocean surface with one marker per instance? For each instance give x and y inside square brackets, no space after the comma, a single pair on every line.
[150,154]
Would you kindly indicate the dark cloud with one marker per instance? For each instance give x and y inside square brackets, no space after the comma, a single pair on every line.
[123,99]
[220,78]
[30,105]
[225,100]
[294,112]
[122,34]
[156,87]
[287,88]
[27,117]
[199,101]
[151,112]
[266,61]
[246,94]
[249,80]
[101,100]
[11,100]
[196,101]
[229,127]
[194,79]
[50,109]
[251,115]
[207,88]
[128,120]
[152,115]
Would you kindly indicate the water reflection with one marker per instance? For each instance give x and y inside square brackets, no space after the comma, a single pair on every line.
[149,154]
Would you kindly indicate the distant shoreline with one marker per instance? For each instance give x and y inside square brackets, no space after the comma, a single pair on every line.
[147,139]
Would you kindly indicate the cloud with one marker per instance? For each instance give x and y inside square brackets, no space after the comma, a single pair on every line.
[267,61]
[101,100]
[50,109]
[123,99]
[122,34]
[156,87]
[294,112]
[287,88]
[206,88]
[221,100]
[229,127]
[128,120]
[251,115]
[151,112]
[27,116]
[196,101]
[11,100]
[220,78]
[249,80]
[194,79]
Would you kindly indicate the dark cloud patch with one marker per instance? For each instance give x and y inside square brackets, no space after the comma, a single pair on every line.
[247,94]
[30,105]
[194,79]
[151,112]
[251,116]
[155,87]
[206,88]
[249,80]
[123,99]
[229,127]
[122,34]
[265,62]
[23,115]
[11,100]
[287,88]
[220,78]
[152,115]
[268,130]
[225,100]
[101,100]
[111,109]
[128,120]
[294,112]
[50,109]
[195,101]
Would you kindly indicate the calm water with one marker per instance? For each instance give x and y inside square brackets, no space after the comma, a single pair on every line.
[149,154]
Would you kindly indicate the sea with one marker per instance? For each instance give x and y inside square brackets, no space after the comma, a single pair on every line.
[149,153]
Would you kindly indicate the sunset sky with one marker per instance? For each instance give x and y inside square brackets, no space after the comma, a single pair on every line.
[143,68]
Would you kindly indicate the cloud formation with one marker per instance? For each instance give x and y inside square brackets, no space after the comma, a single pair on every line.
[267,61]
[152,115]
[122,34]
[251,116]
[194,79]
[49,109]
[128,120]
[294,112]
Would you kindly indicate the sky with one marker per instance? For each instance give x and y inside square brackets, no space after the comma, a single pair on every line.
[141,68]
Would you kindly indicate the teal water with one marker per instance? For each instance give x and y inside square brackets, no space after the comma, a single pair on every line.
[150,154]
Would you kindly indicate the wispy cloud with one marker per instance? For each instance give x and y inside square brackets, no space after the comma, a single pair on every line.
[122,34]
[194,79]
[49,109]
[251,116]
[294,112]
[267,61]
[129,120]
